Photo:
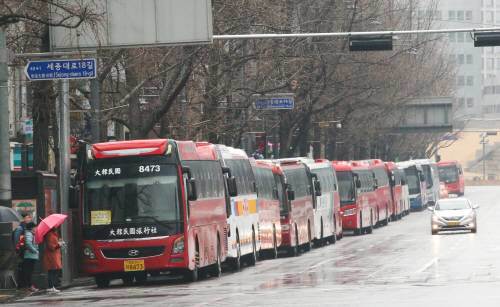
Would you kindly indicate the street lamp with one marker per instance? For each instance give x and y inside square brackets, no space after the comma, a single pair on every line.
[483,142]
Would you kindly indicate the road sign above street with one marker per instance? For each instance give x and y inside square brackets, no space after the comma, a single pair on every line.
[275,103]
[61,69]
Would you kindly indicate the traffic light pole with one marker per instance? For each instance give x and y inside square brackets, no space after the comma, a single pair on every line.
[5,179]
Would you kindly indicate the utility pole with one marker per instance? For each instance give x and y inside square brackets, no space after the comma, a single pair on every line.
[64,175]
[95,103]
[5,180]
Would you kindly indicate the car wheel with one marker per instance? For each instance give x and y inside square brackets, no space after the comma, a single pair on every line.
[128,280]
[474,230]
[237,261]
[434,232]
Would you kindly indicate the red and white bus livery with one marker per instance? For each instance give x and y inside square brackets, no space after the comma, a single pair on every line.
[296,210]
[243,219]
[452,175]
[152,206]
[327,218]
[358,198]
[268,207]
[384,195]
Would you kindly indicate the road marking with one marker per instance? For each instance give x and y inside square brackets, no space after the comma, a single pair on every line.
[428,265]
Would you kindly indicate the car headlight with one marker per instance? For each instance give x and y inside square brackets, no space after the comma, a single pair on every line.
[436,219]
[88,252]
[178,247]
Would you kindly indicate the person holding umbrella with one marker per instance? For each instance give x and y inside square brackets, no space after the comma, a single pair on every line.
[52,259]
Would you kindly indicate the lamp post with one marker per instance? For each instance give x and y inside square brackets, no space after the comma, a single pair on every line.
[483,142]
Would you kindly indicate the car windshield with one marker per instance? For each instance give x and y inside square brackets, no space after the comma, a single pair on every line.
[151,195]
[456,204]
[448,174]
[346,187]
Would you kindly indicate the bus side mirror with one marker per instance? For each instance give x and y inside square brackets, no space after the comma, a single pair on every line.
[290,194]
[317,188]
[191,189]
[231,186]
[403,182]
[74,196]
[422,178]
[375,184]
[275,193]
[358,183]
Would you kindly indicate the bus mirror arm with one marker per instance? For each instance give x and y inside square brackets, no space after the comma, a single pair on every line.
[191,189]
[317,188]
[358,183]
[226,170]
[290,194]
[231,186]
[187,170]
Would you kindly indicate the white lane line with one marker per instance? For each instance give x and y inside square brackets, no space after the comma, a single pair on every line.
[427,265]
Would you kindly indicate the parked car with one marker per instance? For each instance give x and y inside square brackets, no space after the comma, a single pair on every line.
[453,214]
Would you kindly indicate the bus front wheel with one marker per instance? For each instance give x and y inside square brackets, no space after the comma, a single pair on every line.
[102,281]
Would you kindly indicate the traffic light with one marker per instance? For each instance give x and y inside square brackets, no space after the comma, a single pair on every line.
[486,39]
[370,43]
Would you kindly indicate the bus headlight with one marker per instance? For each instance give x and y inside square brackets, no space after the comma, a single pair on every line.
[178,247]
[88,252]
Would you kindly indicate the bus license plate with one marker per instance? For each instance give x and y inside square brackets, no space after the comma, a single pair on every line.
[134,265]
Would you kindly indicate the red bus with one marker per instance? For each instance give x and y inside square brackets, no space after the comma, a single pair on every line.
[358,199]
[452,175]
[383,190]
[151,206]
[396,183]
[327,218]
[296,205]
[268,204]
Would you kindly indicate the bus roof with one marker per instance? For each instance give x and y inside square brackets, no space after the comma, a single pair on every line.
[129,148]
[231,153]
[448,163]
[342,166]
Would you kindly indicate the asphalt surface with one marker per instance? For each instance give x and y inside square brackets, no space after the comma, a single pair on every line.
[398,265]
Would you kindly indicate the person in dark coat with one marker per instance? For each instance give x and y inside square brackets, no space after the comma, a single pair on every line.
[52,259]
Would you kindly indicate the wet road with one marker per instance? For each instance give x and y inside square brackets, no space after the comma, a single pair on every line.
[398,265]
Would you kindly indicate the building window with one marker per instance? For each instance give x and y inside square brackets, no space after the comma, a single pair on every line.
[490,63]
[460,37]
[488,3]
[470,81]
[452,37]
[461,59]
[451,15]
[470,59]
[461,81]
[438,15]
[488,17]
[461,102]
[468,15]
[470,102]
[460,15]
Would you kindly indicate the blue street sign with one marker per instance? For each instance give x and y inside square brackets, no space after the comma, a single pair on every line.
[61,69]
[277,103]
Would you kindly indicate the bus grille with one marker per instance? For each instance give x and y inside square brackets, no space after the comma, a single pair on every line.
[133,252]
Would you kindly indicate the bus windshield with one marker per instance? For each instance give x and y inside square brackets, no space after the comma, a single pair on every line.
[448,174]
[428,175]
[138,193]
[413,180]
[346,188]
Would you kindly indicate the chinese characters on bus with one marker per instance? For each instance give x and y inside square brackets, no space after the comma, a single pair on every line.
[128,231]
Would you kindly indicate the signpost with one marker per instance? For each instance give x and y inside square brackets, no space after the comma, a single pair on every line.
[61,69]
[275,103]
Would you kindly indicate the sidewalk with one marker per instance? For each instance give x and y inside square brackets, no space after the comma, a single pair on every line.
[11,295]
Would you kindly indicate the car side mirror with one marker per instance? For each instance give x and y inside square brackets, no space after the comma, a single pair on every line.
[290,194]
[231,186]
[430,209]
[191,189]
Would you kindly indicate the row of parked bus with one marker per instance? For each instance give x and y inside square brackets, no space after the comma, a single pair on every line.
[165,206]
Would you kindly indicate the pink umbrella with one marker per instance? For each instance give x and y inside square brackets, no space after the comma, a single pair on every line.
[48,223]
